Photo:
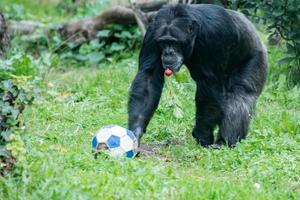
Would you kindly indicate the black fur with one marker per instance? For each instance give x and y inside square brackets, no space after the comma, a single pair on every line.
[226,59]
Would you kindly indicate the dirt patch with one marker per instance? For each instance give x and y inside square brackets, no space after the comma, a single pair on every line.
[150,150]
[146,150]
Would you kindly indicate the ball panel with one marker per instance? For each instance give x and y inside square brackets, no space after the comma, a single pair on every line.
[94,142]
[130,154]
[116,152]
[131,135]
[126,143]
[118,131]
[103,135]
[113,141]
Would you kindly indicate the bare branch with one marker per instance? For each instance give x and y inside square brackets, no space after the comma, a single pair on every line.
[87,29]
[141,18]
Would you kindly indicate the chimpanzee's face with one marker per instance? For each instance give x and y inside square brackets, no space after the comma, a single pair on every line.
[171,56]
[176,40]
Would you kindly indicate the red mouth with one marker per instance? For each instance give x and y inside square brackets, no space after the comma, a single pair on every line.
[168,72]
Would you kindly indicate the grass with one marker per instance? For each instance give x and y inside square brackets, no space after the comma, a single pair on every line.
[77,101]
[40,10]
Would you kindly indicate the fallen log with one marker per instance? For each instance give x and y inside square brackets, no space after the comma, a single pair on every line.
[87,29]
[24,27]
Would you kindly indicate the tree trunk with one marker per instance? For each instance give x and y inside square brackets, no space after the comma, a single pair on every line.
[3,36]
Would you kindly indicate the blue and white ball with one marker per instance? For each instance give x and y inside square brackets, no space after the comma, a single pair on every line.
[116,141]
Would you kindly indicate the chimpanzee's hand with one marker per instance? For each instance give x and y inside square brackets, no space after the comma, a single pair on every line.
[138,132]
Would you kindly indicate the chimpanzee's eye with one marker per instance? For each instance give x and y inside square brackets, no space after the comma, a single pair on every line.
[164,44]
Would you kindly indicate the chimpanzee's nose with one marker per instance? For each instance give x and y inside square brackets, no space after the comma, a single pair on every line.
[169,52]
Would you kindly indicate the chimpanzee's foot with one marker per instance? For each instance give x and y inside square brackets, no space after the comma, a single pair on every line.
[203,138]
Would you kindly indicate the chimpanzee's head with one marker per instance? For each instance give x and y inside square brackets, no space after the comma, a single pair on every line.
[175,33]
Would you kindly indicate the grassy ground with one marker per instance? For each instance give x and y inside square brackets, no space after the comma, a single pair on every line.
[77,101]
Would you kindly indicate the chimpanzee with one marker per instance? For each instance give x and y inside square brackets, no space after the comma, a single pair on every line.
[225,57]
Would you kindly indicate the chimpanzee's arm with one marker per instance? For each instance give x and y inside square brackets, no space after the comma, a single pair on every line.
[147,86]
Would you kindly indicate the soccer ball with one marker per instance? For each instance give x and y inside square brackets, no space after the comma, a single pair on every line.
[116,141]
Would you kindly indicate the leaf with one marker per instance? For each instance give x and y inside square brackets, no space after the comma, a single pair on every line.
[7,84]
[246,12]
[94,44]
[286,60]
[177,112]
[81,57]
[95,57]
[3,151]
[117,47]
[15,113]
[290,48]
[6,135]
[181,77]
[85,49]
[115,27]
[124,35]
[72,45]
[103,33]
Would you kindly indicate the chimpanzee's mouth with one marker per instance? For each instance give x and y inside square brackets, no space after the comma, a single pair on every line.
[174,67]
[172,64]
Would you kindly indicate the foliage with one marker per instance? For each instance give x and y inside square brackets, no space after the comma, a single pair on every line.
[281,17]
[17,79]
[91,8]
[27,10]
[82,8]
[14,11]
[114,40]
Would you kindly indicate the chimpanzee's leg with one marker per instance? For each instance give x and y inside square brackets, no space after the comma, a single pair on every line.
[237,113]
[242,90]
[207,117]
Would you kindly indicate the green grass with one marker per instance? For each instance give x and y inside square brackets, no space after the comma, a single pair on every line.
[77,101]
[40,10]
[50,11]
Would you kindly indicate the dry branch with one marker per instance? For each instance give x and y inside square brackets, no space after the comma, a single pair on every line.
[141,17]
[86,29]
